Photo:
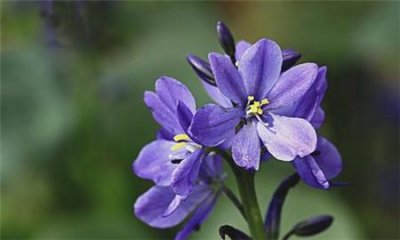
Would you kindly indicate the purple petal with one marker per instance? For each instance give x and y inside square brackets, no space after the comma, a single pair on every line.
[260,67]
[285,137]
[212,166]
[173,205]
[164,134]
[217,96]
[198,218]
[311,100]
[228,78]
[310,172]
[241,47]
[292,86]
[328,158]
[246,147]
[318,118]
[172,91]
[185,115]
[212,124]
[163,115]
[186,174]
[151,206]
[153,162]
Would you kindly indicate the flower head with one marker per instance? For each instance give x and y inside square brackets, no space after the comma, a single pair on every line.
[263,106]
[174,159]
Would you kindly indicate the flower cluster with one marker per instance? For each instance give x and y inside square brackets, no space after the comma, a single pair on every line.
[265,107]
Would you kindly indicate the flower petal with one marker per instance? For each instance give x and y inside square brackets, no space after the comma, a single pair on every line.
[212,166]
[185,116]
[292,86]
[153,162]
[285,137]
[310,172]
[228,78]
[151,206]
[241,47]
[260,67]
[212,124]
[163,115]
[312,99]
[328,158]
[172,91]
[187,173]
[217,96]
[164,134]
[318,118]
[198,217]
[246,147]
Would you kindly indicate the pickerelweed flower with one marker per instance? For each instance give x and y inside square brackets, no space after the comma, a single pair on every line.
[174,160]
[160,208]
[264,103]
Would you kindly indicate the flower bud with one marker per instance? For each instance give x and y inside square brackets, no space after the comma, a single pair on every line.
[311,226]
[290,57]
[202,69]
[273,216]
[233,233]
[226,40]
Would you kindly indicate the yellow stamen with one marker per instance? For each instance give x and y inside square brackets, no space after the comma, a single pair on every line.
[264,102]
[181,137]
[255,107]
[178,146]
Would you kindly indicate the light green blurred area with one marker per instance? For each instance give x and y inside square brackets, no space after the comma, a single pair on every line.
[73,118]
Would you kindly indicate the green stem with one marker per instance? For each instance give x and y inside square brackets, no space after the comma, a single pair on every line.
[245,182]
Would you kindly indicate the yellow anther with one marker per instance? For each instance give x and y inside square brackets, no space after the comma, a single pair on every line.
[178,146]
[260,111]
[181,137]
[250,98]
[264,102]
[256,103]
[253,109]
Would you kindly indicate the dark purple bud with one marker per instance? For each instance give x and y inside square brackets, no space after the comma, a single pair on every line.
[273,216]
[290,57]
[233,233]
[202,69]
[226,40]
[311,226]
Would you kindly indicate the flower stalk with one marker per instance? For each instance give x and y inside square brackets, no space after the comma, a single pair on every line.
[245,182]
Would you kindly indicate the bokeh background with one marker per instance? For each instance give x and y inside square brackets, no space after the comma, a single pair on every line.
[73,119]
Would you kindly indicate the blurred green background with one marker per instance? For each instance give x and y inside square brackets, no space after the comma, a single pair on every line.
[73,119]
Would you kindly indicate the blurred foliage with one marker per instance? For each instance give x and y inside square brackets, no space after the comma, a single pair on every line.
[72,117]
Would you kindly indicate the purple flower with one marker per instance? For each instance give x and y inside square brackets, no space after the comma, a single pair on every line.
[319,167]
[264,102]
[161,207]
[174,159]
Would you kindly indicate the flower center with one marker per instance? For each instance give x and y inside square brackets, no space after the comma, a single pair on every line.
[255,107]
[183,140]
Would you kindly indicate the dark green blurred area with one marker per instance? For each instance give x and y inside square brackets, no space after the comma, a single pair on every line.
[73,119]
